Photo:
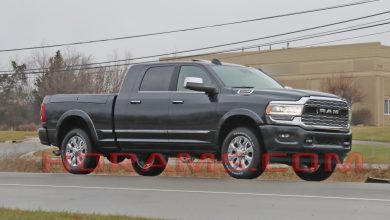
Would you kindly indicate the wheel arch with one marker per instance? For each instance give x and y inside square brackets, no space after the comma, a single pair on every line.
[237,118]
[75,119]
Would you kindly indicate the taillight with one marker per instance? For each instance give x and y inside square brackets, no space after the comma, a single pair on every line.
[43,114]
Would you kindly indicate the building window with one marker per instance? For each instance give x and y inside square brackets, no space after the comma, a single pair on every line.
[387,107]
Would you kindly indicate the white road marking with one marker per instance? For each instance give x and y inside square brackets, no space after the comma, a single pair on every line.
[203,192]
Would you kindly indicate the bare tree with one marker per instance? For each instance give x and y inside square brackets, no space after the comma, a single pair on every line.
[109,79]
[344,87]
[67,72]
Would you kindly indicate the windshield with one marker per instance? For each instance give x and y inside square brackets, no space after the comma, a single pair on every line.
[240,77]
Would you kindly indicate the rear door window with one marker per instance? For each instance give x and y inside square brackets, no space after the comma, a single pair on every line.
[157,78]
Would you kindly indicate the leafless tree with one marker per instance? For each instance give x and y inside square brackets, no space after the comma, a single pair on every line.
[344,87]
[65,72]
[109,79]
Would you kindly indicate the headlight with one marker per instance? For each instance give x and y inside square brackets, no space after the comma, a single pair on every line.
[284,111]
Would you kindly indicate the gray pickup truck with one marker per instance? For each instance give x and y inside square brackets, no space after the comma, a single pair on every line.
[236,113]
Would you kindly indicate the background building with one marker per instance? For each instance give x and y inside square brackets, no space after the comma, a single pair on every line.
[366,65]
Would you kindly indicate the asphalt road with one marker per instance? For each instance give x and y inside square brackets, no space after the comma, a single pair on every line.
[195,198]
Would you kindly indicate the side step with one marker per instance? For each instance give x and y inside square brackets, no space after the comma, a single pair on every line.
[57,152]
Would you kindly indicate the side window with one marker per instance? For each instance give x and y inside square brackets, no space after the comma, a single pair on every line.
[387,107]
[191,71]
[157,79]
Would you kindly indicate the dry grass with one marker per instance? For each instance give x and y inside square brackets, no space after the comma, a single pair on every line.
[16,135]
[17,214]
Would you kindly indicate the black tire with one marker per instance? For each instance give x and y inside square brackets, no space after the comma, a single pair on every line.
[115,159]
[320,174]
[86,164]
[145,167]
[246,169]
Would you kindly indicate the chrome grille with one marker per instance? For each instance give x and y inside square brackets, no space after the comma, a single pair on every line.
[325,113]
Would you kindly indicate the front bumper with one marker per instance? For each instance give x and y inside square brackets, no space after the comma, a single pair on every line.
[294,139]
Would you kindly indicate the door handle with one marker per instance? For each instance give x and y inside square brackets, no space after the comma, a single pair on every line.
[135,101]
[177,102]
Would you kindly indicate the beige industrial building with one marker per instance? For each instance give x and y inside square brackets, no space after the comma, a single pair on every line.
[367,65]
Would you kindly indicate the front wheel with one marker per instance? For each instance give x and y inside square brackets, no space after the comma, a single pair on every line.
[241,154]
[320,174]
[150,165]
[77,153]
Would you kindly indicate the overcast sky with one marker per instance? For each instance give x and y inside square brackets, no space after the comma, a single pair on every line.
[27,23]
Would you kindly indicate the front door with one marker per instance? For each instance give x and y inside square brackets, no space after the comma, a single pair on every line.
[192,114]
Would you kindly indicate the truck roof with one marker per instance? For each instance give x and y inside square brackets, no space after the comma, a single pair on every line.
[214,62]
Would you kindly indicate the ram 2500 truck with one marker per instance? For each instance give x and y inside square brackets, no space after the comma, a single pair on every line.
[237,113]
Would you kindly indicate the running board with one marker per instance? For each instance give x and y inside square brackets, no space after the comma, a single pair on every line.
[57,152]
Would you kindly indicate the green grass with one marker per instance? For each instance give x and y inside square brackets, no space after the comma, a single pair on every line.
[373,154]
[17,214]
[16,135]
[371,133]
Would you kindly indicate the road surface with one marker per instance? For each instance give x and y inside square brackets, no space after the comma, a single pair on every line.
[195,198]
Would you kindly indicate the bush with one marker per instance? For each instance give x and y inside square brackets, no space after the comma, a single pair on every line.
[361,117]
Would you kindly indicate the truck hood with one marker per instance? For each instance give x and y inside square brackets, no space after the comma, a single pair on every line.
[284,94]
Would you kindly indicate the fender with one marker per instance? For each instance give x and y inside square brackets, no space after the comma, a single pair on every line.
[82,115]
[240,111]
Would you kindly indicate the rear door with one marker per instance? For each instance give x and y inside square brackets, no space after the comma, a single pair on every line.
[193,118]
[143,116]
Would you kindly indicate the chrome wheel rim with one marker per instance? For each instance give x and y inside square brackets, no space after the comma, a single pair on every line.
[142,162]
[240,153]
[76,148]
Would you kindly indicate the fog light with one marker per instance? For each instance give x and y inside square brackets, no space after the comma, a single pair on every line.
[347,143]
[285,135]
[308,141]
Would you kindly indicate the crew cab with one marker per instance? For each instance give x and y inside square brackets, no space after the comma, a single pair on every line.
[236,113]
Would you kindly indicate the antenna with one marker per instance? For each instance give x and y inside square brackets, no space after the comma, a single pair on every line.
[216,62]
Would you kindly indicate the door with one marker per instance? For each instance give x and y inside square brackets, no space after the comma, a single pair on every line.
[193,119]
[143,116]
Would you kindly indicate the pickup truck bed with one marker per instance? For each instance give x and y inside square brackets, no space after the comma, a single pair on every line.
[100,111]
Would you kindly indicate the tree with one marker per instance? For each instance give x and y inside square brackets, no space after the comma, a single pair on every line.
[14,97]
[62,75]
[345,87]
[68,72]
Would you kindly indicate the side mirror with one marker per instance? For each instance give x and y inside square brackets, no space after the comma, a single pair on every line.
[196,84]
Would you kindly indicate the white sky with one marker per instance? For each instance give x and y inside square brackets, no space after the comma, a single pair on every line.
[27,23]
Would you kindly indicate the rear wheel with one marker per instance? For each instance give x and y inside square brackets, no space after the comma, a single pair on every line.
[77,153]
[320,174]
[241,154]
[150,165]
[115,159]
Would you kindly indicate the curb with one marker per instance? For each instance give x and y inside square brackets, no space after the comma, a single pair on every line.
[376,180]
